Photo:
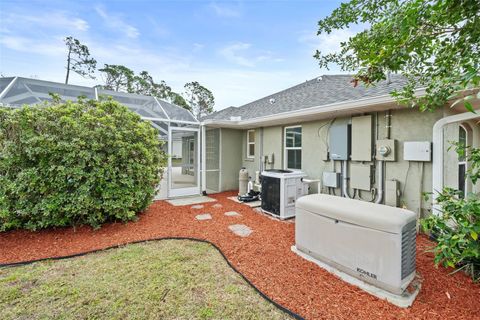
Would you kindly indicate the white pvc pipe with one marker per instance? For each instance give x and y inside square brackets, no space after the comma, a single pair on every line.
[345,179]
[380,182]
[438,149]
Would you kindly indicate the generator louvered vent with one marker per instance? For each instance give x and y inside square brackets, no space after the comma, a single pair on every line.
[409,234]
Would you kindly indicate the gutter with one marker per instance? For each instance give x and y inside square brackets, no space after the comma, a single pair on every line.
[438,148]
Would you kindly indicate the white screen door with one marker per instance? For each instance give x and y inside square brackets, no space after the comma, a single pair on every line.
[183,162]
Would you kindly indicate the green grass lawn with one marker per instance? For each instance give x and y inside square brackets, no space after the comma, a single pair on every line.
[168,279]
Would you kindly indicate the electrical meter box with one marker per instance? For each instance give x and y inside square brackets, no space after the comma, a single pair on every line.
[386,150]
[417,151]
[339,140]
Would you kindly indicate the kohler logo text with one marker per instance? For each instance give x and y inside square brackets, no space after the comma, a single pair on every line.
[366,273]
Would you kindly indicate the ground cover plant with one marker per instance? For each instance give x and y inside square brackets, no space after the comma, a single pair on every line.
[74,163]
[457,229]
[168,279]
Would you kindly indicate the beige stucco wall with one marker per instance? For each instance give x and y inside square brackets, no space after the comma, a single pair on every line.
[406,125]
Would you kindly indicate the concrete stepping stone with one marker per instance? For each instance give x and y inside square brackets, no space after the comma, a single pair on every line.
[217,205]
[240,230]
[205,216]
[197,206]
[232,214]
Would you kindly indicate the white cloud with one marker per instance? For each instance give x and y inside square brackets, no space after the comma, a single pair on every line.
[115,22]
[326,43]
[240,54]
[198,47]
[55,19]
[225,11]
[232,53]
[52,47]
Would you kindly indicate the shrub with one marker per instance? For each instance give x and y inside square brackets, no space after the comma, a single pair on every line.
[78,163]
[457,229]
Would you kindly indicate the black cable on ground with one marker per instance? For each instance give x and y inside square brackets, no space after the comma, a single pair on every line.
[263,295]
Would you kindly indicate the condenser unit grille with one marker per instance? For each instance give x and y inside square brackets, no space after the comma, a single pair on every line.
[271,195]
[409,234]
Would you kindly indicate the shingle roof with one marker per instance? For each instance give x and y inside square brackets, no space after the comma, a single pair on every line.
[320,91]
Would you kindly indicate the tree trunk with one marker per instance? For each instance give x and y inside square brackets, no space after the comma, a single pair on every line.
[68,65]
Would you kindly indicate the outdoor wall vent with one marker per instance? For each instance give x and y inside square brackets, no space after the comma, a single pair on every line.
[272,100]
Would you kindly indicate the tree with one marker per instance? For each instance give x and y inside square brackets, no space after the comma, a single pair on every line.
[144,84]
[199,98]
[434,44]
[178,100]
[79,59]
[117,77]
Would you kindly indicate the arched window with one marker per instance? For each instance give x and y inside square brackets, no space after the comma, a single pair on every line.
[462,161]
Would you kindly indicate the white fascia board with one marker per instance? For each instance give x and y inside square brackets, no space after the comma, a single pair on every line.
[292,116]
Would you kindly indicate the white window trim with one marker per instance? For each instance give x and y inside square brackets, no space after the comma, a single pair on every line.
[285,148]
[250,156]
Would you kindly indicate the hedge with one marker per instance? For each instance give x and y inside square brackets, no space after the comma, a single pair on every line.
[69,164]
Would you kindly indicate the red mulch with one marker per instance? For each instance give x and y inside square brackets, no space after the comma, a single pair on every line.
[265,259]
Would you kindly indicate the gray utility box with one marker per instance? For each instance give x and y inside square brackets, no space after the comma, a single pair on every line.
[372,242]
[362,138]
[339,140]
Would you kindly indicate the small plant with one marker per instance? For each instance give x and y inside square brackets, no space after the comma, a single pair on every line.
[68,164]
[457,229]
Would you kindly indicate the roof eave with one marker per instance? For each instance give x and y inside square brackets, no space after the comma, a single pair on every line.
[333,110]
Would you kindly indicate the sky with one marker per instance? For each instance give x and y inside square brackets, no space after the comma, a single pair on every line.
[240,50]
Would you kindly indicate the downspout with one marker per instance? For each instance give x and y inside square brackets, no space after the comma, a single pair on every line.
[438,147]
[204,159]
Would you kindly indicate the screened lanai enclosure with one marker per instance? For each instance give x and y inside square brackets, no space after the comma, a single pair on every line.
[176,126]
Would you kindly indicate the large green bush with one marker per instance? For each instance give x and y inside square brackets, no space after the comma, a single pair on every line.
[457,229]
[68,164]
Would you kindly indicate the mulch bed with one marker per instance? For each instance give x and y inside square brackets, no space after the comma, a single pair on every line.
[265,259]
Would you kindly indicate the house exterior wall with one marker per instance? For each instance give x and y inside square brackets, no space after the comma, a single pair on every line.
[231,158]
[406,125]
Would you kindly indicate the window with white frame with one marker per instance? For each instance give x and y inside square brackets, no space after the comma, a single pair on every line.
[251,144]
[462,161]
[293,147]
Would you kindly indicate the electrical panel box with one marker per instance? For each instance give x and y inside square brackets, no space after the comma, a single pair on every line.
[385,150]
[331,179]
[339,140]
[362,138]
[361,176]
[392,193]
[417,151]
